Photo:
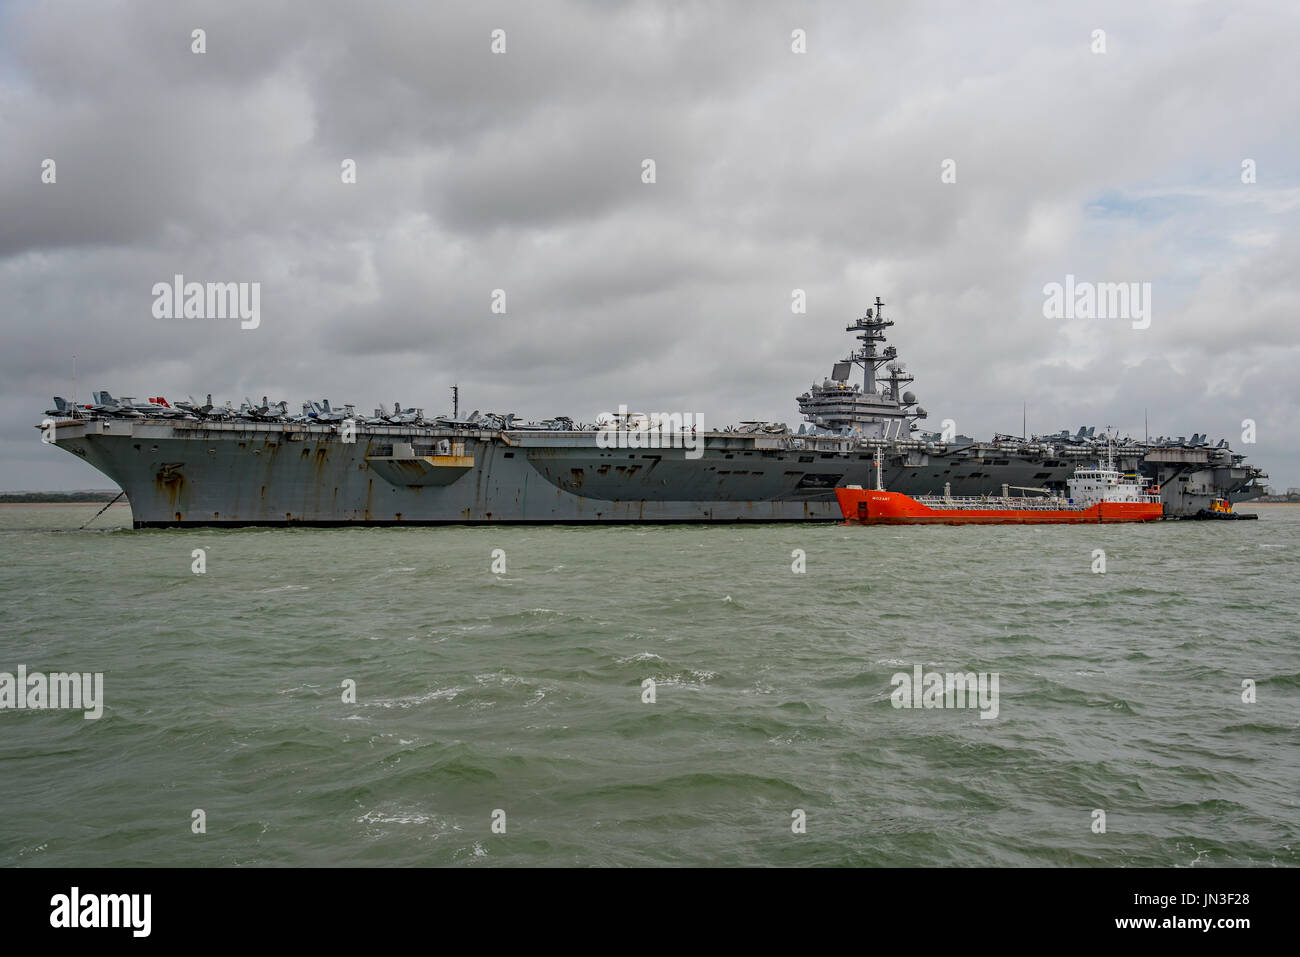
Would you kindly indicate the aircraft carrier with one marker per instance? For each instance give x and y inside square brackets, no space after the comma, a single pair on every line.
[196,464]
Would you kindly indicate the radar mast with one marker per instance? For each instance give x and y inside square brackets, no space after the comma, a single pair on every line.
[872,411]
[871,330]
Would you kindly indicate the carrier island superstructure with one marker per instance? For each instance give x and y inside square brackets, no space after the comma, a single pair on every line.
[196,464]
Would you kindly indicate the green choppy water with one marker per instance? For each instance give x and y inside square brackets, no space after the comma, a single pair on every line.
[522,692]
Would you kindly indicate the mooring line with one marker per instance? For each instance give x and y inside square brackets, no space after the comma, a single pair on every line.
[104,509]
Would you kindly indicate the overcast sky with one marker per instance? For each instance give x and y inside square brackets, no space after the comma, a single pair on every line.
[775,171]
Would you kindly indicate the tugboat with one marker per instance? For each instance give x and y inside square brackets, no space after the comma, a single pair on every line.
[1220,510]
[1096,495]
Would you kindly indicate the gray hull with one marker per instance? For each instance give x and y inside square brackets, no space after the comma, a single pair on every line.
[180,473]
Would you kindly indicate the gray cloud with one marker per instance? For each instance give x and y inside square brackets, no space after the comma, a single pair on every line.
[775,171]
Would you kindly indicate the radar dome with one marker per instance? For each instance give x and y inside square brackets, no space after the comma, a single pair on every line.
[909,398]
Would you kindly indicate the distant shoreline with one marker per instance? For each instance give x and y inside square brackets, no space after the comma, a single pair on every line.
[76,496]
[56,504]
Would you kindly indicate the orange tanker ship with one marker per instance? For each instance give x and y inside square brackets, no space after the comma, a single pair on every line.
[1096,495]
